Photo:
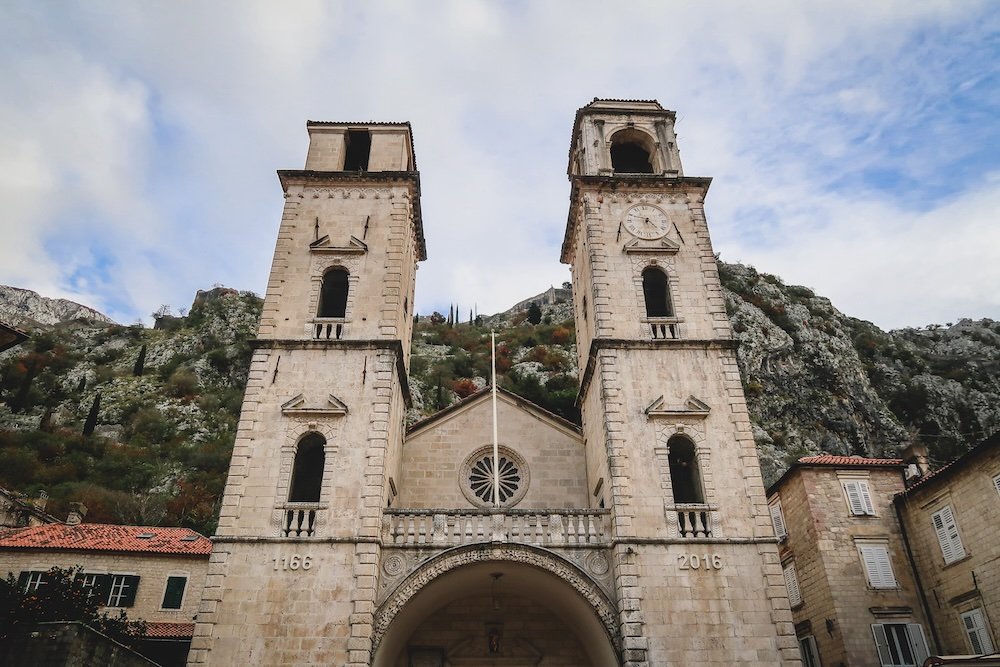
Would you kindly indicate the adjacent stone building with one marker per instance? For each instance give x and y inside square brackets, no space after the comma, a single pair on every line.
[951,518]
[642,537]
[853,593]
[152,573]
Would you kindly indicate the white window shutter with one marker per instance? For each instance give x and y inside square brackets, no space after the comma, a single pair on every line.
[867,507]
[975,628]
[792,584]
[878,565]
[915,633]
[996,483]
[882,644]
[947,534]
[778,521]
[853,496]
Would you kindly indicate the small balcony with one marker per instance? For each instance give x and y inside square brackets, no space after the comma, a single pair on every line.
[300,519]
[663,328]
[447,528]
[693,521]
[327,328]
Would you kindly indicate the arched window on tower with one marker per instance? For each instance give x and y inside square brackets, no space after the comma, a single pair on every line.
[333,294]
[307,471]
[632,152]
[685,478]
[656,290]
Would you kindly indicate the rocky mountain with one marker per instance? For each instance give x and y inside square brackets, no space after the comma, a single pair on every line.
[25,308]
[159,406]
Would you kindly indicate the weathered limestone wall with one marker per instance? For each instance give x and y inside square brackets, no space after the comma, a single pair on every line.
[380,297]
[974,581]
[152,571]
[390,148]
[823,539]
[433,457]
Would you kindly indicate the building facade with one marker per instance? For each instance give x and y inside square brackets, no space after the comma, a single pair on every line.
[854,596]
[950,519]
[152,573]
[641,538]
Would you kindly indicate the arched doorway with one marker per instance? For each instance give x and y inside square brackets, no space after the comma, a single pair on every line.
[511,605]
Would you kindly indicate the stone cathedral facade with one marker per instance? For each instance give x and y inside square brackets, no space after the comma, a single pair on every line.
[642,537]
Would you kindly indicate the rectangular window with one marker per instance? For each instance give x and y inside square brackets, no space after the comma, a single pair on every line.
[996,483]
[173,595]
[975,629]
[32,580]
[358,144]
[778,520]
[792,584]
[122,590]
[900,644]
[878,565]
[810,654]
[859,497]
[947,534]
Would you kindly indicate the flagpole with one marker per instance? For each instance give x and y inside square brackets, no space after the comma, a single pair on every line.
[496,446]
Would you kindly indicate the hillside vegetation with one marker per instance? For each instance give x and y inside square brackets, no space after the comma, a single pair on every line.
[139,423]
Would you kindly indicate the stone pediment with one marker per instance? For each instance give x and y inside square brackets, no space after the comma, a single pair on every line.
[299,406]
[663,245]
[692,407]
[354,247]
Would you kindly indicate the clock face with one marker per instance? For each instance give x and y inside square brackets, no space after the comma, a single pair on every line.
[646,222]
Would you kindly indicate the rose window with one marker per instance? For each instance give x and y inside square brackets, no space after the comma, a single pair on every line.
[477,477]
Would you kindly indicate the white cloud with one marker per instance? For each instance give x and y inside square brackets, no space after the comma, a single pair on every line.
[155,130]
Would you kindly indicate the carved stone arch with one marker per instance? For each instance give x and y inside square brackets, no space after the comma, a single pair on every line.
[320,264]
[647,139]
[295,431]
[694,430]
[665,263]
[457,557]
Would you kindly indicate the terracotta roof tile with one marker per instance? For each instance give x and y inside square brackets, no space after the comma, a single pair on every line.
[832,460]
[106,537]
[169,630]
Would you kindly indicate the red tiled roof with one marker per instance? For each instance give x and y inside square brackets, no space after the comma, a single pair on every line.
[169,630]
[106,537]
[832,460]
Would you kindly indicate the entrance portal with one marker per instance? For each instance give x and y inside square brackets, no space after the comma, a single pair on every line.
[495,612]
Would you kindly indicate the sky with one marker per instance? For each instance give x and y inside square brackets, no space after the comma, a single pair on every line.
[854,145]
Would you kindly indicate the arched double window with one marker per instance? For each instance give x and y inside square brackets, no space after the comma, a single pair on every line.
[656,290]
[632,152]
[685,478]
[333,294]
[307,471]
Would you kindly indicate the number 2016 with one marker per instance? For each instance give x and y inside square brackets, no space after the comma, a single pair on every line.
[698,562]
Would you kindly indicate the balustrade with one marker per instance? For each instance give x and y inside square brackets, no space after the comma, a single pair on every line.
[455,527]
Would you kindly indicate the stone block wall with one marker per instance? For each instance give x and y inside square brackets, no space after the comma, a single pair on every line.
[973,581]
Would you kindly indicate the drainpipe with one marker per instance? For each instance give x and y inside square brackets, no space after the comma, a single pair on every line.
[897,501]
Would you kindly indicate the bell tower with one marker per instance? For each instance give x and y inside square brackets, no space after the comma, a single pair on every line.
[669,446]
[292,575]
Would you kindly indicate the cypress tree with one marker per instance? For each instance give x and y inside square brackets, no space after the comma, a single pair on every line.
[140,362]
[88,427]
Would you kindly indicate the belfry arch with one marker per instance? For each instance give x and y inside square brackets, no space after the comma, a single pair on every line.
[499,576]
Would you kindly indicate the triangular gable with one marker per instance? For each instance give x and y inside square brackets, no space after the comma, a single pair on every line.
[659,246]
[354,247]
[334,407]
[473,400]
[693,407]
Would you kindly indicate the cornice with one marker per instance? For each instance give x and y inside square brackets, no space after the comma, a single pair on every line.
[642,184]
[306,177]
[599,344]
[394,346]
